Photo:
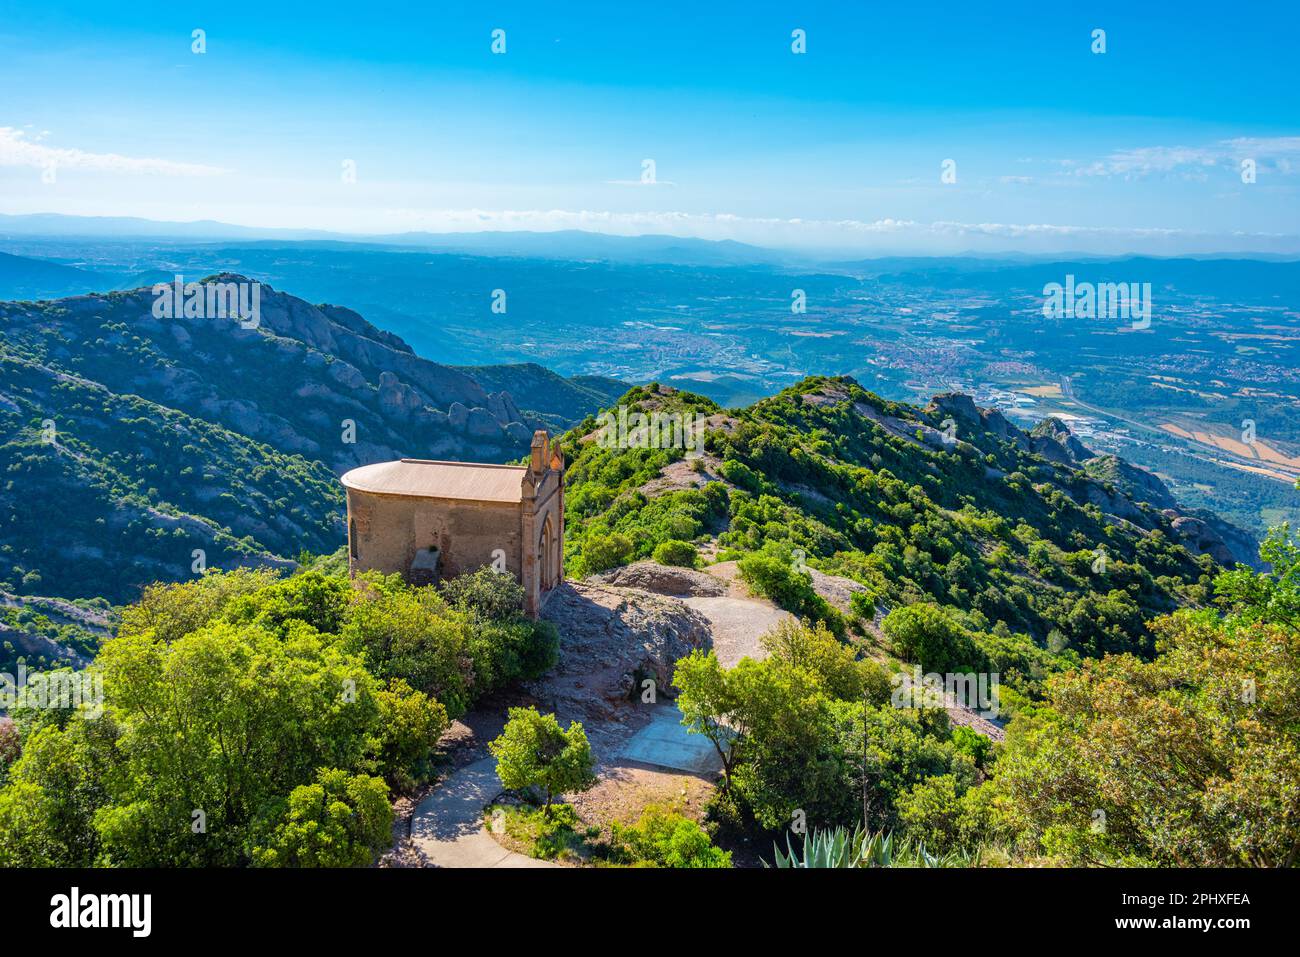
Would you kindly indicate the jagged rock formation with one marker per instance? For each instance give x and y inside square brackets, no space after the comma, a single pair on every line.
[663,580]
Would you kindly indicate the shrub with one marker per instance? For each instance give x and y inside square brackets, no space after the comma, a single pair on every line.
[927,635]
[741,475]
[664,838]
[507,651]
[410,724]
[674,552]
[929,811]
[545,834]
[773,574]
[971,742]
[606,551]
[495,596]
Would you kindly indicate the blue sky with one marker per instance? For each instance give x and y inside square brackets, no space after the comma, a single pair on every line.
[1055,147]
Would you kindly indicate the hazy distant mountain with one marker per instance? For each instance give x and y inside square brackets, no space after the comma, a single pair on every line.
[559,244]
[1243,280]
[117,227]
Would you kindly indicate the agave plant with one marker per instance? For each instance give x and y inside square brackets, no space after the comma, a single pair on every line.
[838,847]
[834,848]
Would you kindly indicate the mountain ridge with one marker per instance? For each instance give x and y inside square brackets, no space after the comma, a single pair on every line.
[142,448]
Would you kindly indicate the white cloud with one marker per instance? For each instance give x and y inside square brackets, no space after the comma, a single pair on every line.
[18,149]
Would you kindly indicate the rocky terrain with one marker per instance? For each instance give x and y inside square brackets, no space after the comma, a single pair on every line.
[612,639]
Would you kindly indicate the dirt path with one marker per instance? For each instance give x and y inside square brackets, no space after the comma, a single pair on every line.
[736,624]
[736,619]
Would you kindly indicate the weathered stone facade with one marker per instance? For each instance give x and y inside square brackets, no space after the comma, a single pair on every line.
[431,520]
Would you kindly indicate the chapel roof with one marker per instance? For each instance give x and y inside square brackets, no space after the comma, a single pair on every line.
[423,478]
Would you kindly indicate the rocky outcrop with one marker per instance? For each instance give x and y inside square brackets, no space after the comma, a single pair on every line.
[612,639]
[397,398]
[837,590]
[479,422]
[1053,439]
[663,580]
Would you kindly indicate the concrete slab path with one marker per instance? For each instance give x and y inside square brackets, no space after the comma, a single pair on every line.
[448,826]
[665,743]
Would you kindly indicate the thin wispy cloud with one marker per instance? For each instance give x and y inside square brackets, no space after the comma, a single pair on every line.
[1279,153]
[17,148]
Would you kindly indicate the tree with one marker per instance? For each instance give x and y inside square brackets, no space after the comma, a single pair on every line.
[770,724]
[534,751]
[339,820]
[1192,759]
[409,633]
[172,611]
[812,646]
[709,705]
[221,722]
[1273,597]
[927,635]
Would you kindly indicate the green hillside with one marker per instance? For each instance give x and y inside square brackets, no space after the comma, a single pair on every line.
[1145,713]
[1006,530]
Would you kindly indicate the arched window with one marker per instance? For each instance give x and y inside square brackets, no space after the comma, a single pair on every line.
[546,555]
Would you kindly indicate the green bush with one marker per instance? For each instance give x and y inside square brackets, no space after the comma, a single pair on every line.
[774,574]
[664,838]
[409,728]
[741,475]
[674,552]
[495,596]
[546,834]
[504,652]
[928,635]
[606,551]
